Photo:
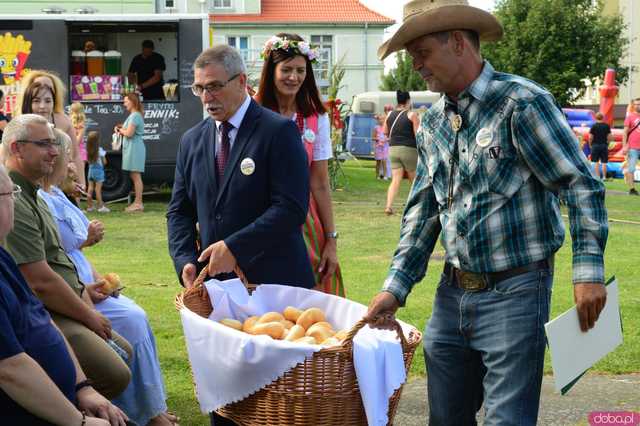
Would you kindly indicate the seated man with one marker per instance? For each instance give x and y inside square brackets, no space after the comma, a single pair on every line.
[40,379]
[29,152]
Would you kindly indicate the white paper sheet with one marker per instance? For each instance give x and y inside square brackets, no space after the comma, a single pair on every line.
[572,351]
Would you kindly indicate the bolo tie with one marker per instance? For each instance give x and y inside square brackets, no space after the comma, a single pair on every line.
[455,119]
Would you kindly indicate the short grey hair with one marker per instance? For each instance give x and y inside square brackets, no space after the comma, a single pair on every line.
[224,55]
[18,130]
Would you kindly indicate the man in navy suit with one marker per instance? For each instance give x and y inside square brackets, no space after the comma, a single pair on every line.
[242,175]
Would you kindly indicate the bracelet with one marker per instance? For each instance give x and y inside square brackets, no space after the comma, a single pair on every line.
[83,384]
[84,418]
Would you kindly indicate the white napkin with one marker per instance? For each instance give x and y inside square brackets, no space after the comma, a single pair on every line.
[229,365]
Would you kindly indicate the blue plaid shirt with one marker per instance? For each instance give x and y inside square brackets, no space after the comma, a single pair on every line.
[516,155]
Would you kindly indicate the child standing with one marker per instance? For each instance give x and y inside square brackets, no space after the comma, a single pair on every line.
[96,156]
[381,143]
[78,120]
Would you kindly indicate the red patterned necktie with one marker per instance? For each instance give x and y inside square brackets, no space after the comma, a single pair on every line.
[223,153]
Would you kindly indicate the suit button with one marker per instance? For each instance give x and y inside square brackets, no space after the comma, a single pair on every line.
[218,216]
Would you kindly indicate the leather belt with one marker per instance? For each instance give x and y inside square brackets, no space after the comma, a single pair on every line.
[473,281]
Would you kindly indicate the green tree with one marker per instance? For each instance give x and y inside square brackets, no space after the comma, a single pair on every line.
[557,43]
[403,77]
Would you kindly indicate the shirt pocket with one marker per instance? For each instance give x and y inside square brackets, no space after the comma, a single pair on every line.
[500,164]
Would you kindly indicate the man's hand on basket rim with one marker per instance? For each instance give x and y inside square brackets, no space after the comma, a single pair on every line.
[188,275]
[382,309]
[221,259]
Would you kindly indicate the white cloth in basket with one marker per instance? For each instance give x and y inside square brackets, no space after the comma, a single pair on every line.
[229,365]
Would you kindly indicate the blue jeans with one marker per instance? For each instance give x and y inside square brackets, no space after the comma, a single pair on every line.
[487,346]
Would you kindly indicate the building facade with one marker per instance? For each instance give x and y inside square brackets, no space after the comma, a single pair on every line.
[342,30]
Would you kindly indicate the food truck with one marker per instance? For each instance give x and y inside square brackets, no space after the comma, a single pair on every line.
[364,108]
[99,78]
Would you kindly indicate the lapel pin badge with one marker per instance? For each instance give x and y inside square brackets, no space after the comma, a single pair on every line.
[247,166]
[484,137]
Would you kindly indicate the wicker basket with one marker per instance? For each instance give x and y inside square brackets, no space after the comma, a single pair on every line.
[322,390]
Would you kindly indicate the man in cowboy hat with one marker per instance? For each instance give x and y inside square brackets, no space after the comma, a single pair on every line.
[494,152]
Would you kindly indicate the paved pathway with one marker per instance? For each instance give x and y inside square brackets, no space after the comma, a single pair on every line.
[592,393]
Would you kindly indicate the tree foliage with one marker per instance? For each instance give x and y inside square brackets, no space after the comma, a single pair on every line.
[557,43]
[403,77]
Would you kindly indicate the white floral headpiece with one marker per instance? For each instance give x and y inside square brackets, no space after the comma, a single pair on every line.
[293,46]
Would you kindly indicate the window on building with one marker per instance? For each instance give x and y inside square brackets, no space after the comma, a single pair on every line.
[218,4]
[324,44]
[240,43]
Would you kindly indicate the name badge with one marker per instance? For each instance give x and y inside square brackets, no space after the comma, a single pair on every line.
[247,166]
[309,136]
[484,137]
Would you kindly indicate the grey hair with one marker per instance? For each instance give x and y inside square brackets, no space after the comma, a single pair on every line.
[17,130]
[61,160]
[471,36]
[224,55]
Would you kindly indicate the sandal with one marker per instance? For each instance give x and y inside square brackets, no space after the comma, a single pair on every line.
[388,211]
[134,208]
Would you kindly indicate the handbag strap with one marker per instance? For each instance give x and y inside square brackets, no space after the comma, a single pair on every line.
[395,121]
[634,127]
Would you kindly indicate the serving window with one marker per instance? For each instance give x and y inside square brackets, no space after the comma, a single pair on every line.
[108,60]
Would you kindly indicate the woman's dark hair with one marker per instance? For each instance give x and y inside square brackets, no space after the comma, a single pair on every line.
[93,146]
[30,93]
[402,97]
[307,99]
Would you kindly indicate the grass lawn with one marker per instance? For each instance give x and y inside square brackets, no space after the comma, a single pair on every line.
[136,247]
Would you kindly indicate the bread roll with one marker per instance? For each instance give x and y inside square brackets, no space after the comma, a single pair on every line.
[232,323]
[323,324]
[271,317]
[341,335]
[310,317]
[319,326]
[295,333]
[274,329]
[292,313]
[111,282]
[331,341]
[248,324]
[319,333]
[288,324]
[306,339]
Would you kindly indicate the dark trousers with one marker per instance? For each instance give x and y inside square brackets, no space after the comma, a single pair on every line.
[218,420]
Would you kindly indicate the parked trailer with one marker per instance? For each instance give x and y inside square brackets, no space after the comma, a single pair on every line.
[365,107]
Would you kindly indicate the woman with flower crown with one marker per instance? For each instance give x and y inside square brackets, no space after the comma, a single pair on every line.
[288,86]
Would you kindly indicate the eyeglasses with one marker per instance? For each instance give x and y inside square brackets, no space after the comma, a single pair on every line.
[14,193]
[212,89]
[44,143]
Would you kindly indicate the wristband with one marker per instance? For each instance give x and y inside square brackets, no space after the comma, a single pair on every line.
[84,418]
[333,234]
[83,384]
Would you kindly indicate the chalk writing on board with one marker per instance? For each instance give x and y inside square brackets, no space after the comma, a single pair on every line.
[186,73]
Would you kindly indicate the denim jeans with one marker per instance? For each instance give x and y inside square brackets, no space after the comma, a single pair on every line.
[487,347]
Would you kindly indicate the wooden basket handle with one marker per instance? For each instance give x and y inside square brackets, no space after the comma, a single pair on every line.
[360,324]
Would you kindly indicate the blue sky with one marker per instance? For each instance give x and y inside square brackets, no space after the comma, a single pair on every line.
[393,9]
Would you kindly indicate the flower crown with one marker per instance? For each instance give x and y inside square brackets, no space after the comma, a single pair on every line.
[293,46]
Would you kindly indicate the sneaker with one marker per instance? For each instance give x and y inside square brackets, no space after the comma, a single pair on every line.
[104,209]
[633,191]
[90,209]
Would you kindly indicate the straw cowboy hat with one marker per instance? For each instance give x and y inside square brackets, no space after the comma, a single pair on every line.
[422,17]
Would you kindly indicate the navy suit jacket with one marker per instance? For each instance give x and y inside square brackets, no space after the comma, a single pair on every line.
[258,215]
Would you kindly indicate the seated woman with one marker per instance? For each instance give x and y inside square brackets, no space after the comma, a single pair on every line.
[41,382]
[144,399]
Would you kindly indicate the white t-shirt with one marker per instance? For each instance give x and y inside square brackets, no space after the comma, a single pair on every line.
[322,149]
